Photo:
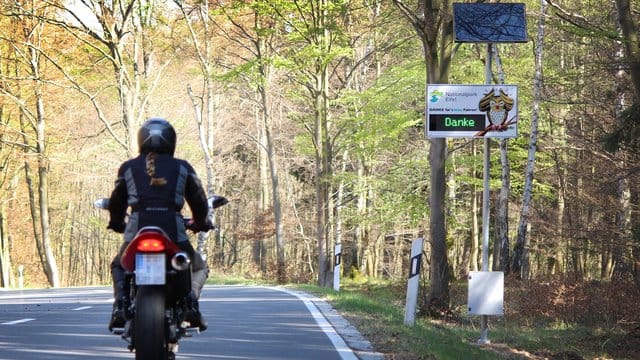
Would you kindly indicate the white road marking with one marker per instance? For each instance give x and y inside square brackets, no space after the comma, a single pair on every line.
[49,293]
[16,322]
[82,308]
[338,343]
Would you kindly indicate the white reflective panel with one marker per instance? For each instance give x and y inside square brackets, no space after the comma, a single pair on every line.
[486,293]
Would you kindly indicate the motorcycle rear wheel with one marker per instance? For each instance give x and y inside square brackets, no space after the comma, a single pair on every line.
[149,329]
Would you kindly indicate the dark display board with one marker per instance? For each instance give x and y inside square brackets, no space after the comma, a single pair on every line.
[489,23]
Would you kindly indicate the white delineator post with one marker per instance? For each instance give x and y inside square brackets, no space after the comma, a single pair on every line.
[20,276]
[336,267]
[413,282]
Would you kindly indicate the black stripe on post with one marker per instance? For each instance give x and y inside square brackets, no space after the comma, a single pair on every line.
[416,262]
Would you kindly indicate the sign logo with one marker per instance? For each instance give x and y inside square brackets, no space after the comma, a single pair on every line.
[435,95]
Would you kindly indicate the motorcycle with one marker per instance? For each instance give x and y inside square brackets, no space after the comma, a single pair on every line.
[159,275]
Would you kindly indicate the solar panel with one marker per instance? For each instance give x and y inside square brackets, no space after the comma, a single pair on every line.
[489,23]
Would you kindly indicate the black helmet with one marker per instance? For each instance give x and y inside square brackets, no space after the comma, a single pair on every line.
[158,136]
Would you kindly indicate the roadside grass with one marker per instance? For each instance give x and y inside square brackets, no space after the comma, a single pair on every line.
[376,309]
[216,278]
[560,341]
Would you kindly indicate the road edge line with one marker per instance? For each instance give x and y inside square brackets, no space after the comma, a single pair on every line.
[346,339]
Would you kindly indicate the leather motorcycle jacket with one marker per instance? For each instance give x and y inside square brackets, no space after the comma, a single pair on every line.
[155,187]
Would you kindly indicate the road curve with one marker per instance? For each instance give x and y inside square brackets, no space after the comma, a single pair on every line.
[258,323]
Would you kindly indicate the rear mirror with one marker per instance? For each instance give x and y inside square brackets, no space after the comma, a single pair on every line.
[216,201]
[102,203]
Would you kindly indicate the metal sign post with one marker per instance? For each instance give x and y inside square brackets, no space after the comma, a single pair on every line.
[413,283]
[484,332]
[487,23]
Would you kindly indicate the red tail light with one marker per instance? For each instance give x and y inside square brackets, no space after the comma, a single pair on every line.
[148,240]
[150,245]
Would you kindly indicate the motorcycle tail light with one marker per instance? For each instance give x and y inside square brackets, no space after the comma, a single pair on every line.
[151,245]
[149,239]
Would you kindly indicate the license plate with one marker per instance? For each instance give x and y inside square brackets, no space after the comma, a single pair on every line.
[150,269]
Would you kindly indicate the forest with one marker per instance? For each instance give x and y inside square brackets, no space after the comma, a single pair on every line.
[309,116]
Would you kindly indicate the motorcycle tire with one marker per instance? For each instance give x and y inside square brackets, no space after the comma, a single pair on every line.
[149,329]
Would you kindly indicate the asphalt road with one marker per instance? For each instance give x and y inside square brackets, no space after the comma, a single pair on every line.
[257,323]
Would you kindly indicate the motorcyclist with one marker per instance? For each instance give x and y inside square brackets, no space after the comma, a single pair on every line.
[155,186]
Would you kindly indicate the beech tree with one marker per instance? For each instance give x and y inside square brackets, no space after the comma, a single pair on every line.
[521,249]
[117,32]
[433,22]
[203,101]
[313,27]
[340,101]
[27,40]
[257,30]
[630,42]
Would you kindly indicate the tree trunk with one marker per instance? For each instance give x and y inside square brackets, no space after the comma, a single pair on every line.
[50,265]
[361,211]
[555,258]
[204,107]
[501,260]
[277,211]
[520,256]
[263,202]
[5,256]
[204,138]
[267,121]
[324,154]
[502,216]
[624,246]
[33,210]
[338,205]
[437,72]
[434,26]
[275,192]
[475,210]
[321,197]
[631,43]
[438,297]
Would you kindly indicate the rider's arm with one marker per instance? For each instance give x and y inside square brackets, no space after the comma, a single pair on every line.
[118,205]
[197,200]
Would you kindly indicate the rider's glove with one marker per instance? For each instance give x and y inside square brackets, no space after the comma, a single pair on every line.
[117,227]
[198,226]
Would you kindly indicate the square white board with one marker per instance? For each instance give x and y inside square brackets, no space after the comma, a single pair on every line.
[486,293]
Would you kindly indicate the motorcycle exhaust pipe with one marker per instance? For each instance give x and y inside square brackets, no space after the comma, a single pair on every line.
[180,261]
